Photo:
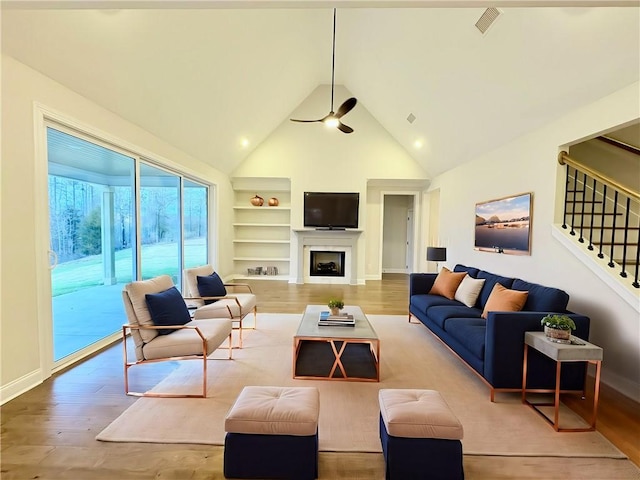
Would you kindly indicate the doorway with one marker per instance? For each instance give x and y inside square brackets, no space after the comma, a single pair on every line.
[398,232]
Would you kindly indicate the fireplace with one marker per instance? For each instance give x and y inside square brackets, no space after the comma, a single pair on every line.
[332,241]
[325,263]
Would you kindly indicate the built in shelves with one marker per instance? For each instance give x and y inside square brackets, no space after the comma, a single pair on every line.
[262,234]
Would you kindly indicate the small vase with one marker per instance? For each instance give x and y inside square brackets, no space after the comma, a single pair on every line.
[335,311]
[557,333]
[257,201]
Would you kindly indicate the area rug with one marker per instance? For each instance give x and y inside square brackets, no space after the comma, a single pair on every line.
[411,357]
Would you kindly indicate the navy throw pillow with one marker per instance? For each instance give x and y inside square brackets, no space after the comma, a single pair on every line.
[211,286]
[167,308]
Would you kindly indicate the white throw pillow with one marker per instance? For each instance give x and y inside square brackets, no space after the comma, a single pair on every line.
[468,290]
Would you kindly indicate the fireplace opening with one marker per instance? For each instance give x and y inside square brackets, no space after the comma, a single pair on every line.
[326,264]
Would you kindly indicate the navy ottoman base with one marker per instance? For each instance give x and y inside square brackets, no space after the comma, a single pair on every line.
[421,458]
[271,456]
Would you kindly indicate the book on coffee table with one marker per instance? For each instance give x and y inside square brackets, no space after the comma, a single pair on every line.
[336,320]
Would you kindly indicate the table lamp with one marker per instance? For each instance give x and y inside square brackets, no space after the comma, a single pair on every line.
[436,254]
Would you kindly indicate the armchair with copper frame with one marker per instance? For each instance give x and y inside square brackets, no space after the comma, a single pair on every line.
[236,304]
[195,340]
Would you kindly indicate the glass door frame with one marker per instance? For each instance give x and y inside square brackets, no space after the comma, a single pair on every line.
[45,117]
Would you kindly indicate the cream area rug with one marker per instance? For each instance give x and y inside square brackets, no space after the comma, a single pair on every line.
[411,357]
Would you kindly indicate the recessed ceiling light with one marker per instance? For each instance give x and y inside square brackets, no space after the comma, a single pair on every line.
[418,144]
[244,142]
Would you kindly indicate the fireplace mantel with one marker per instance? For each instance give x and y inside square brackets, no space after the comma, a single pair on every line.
[309,237]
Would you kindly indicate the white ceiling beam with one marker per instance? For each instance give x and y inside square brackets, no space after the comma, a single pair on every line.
[239,4]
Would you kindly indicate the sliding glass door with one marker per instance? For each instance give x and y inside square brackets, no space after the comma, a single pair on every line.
[98,241]
[195,231]
[91,235]
[160,233]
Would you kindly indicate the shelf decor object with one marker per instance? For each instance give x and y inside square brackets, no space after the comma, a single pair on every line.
[257,201]
[274,202]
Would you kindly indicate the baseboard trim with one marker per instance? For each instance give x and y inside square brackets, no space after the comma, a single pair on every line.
[20,385]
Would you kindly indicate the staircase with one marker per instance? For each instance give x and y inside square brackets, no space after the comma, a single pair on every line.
[603,217]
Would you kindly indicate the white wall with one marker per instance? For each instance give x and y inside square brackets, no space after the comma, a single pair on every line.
[529,164]
[614,162]
[318,159]
[26,286]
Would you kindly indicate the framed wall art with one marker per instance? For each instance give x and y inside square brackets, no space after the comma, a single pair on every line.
[504,225]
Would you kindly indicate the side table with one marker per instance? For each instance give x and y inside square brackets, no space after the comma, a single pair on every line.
[561,352]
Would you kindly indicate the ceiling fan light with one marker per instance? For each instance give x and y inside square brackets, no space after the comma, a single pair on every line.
[331,122]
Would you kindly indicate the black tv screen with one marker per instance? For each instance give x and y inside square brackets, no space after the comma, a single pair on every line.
[331,210]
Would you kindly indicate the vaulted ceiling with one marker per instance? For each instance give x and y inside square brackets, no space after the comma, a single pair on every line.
[203,79]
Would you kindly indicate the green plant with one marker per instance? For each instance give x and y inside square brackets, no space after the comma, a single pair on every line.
[559,322]
[335,303]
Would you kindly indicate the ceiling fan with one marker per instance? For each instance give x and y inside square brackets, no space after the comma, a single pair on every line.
[332,119]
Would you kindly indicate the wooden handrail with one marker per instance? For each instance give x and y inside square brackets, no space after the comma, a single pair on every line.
[564,158]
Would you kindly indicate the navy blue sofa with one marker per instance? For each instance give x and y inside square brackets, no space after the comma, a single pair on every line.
[494,347]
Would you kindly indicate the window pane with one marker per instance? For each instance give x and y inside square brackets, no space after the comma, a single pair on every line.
[195,224]
[90,222]
[160,223]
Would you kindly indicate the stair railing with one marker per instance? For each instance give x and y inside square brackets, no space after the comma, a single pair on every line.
[605,212]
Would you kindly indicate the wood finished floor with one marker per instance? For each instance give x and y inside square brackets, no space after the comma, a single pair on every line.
[48,432]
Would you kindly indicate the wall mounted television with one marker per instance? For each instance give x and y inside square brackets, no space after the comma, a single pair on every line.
[331,210]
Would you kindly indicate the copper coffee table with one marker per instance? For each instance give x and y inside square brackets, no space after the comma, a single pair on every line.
[348,353]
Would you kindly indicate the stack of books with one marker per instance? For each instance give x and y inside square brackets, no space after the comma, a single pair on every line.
[344,320]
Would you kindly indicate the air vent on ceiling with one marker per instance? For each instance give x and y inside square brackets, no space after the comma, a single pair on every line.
[487,19]
[411,118]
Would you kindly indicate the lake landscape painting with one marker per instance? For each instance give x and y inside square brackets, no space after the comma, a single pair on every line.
[503,225]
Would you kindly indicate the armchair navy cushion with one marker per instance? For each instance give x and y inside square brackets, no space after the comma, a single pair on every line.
[211,286]
[167,308]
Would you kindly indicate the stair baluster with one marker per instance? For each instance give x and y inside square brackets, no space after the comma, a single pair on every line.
[604,209]
[593,202]
[625,235]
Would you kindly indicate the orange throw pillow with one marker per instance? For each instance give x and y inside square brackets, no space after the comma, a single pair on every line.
[447,283]
[504,300]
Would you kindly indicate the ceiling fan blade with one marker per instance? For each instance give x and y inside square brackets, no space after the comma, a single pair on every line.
[344,128]
[304,121]
[346,106]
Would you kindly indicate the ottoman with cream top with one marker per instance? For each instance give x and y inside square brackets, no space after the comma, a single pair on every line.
[272,432]
[420,435]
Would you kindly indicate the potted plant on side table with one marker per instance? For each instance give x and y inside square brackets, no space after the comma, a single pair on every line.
[558,327]
[335,305]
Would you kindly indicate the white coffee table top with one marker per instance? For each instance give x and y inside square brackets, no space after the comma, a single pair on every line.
[309,327]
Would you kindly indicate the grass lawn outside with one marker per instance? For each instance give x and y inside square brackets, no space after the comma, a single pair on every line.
[157,259]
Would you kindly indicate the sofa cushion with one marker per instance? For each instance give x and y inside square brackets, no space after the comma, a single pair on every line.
[447,283]
[490,280]
[167,308]
[470,333]
[541,298]
[472,271]
[422,303]
[211,286]
[504,300]
[441,313]
[469,290]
